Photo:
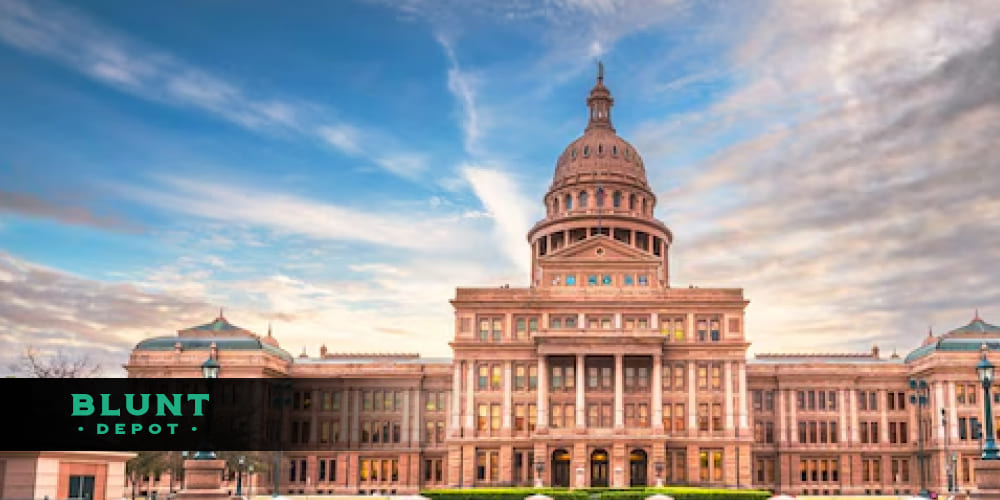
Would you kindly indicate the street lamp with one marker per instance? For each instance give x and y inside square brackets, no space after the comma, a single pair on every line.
[920,396]
[950,466]
[658,466]
[985,370]
[539,468]
[239,475]
[250,481]
[210,371]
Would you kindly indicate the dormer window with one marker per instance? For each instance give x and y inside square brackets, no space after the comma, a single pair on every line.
[572,154]
[600,149]
[586,151]
[614,150]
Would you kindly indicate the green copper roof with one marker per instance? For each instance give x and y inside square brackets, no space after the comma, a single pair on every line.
[219,325]
[951,344]
[977,325]
[201,343]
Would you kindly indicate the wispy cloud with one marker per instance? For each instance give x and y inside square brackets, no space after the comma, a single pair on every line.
[102,53]
[29,205]
[277,211]
[856,202]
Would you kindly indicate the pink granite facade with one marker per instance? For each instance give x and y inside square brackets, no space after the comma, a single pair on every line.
[601,373]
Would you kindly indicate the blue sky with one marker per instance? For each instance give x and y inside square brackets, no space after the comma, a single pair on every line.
[337,168]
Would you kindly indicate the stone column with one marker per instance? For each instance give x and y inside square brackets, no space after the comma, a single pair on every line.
[619,392]
[855,431]
[654,321]
[883,416]
[727,408]
[456,398]
[793,423]
[581,399]
[417,421]
[581,319]
[842,395]
[543,393]
[692,402]
[938,395]
[345,400]
[689,335]
[744,410]
[405,425]
[618,320]
[355,419]
[470,398]
[657,400]
[507,396]
[782,417]
[950,403]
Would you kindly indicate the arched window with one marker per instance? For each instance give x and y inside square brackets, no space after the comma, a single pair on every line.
[600,148]
[614,150]
[600,197]
[586,151]
[631,202]
[572,154]
[644,206]
[583,199]
[569,202]
[555,205]
[616,199]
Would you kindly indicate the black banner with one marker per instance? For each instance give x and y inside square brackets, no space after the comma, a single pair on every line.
[152,414]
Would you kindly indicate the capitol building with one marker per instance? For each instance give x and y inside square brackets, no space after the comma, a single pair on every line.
[600,372]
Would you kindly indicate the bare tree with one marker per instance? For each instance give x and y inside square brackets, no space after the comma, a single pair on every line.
[33,364]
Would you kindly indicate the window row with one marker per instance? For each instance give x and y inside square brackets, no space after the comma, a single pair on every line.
[491,328]
[816,400]
[379,470]
[303,400]
[821,470]
[591,279]
[762,400]
[435,400]
[433,470]
[763,431]
[965,394]
[489,376]
[582,198]
[434,432]
[818,432]
[710,417]
[376,432]
[382,400]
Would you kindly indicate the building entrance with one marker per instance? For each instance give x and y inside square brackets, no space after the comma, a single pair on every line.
[599,468]
[637,468]
[560,468]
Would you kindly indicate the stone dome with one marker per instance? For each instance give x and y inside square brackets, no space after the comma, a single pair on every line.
[600,152]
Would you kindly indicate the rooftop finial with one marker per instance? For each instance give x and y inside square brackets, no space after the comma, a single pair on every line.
[220,313]
[600,71]
[930,331]
[268,328]
[976,317]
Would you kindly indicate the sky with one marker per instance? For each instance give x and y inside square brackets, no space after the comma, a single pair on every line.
[336,169]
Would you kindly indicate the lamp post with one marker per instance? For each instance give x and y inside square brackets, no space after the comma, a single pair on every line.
[210,371]
[539,468]
[949,466]
[920,396]
[985,371]
[658,466]
[239,475]
[250,481]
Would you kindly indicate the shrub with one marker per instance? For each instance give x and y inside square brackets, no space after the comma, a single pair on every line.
[677,492]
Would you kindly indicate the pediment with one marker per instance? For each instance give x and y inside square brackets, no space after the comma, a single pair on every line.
[597,249]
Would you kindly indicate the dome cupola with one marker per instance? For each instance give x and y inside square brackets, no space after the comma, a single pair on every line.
[599,189]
